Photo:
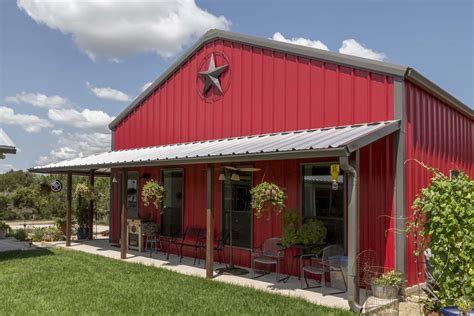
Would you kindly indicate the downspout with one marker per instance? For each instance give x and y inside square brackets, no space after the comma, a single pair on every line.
[353,230]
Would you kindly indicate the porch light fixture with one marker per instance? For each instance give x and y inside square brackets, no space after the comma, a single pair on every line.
[235,177]
[222,176]
[114,180]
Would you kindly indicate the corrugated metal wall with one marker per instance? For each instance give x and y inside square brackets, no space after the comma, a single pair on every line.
[376,173]
[268,92]
[438,136]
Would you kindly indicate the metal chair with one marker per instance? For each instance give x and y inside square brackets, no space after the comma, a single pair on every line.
[271,253]
[324,262]
[152,237]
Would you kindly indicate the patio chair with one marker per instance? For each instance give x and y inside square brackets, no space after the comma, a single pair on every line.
[270,253]
[152,237]
[324,262]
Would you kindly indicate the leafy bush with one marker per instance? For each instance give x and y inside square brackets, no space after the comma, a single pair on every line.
[290,221]
[4,226]
[389,278]
[443,221]
[153,192]
[40,233]
[312,232]
[266,195]
[21,234]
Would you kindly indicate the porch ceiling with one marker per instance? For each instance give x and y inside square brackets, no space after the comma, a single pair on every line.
[323,142]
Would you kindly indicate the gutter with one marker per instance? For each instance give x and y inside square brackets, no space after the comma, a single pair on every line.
[353,231]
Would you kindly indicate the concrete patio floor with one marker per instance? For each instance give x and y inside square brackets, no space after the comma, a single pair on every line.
[267,283]
[11,244]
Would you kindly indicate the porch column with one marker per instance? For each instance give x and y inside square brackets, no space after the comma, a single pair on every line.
[351,167]
[210,223]
[68,209]
[91,208]
[123,234]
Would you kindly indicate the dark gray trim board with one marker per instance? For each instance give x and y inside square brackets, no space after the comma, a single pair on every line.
[7,149]
[397,71]
[400,154]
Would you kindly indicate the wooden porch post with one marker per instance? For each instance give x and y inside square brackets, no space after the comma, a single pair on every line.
[123,234]
[91,208]
[68,209]
[210,223]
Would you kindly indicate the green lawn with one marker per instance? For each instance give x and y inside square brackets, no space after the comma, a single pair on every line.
[70,282]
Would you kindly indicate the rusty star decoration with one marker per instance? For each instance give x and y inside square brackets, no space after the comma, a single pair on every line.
[211,76]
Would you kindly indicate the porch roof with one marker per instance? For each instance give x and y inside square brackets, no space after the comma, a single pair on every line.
[6,144]
[323,142]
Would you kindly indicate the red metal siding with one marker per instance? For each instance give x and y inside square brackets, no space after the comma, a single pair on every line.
[376,205]
[268,92]
[439,136]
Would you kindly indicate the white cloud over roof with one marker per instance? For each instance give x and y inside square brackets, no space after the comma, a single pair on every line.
[117,29]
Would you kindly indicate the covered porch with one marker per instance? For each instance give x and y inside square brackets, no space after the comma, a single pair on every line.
[340,145]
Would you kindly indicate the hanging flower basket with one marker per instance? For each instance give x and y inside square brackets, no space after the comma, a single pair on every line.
[153,192]
[85,191]
[267,195]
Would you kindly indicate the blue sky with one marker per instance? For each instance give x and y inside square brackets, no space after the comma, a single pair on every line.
[64,74]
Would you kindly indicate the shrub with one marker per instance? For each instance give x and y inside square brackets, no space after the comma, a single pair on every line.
[312,232]
[20,234]
[5,226]
[443,221]
[389,278]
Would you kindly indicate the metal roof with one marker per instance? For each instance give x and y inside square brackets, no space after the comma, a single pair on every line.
[297,50]
[6,144]
[323,142]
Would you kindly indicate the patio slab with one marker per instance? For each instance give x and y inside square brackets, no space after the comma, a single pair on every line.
[266,283]
[11,244]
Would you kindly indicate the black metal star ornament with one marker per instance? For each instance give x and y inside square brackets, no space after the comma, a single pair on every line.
[211,76]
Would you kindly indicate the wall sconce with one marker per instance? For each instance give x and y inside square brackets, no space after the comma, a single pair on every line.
[235,177]
[222,176]
[114,180]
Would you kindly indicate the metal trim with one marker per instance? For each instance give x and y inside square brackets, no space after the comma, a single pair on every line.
[331,152]
[372,137]
[418,79]
[7,149]
[297,50]
[400,153]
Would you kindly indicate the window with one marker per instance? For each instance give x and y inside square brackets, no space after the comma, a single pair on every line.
[322,202]
[132,194]
[237,211]
[172,205]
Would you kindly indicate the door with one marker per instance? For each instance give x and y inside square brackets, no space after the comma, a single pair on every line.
[237,211]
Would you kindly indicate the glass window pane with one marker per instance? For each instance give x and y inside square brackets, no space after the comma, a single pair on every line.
[172,216]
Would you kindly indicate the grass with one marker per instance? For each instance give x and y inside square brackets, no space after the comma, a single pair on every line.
[65,282]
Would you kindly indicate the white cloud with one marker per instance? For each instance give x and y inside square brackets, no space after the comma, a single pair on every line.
[40,100]
[57,132]
[349,46]
[75,145]
[30,123]
[352,47]
[300,41]
[108,93]
[145,86]
[116,29]
[86,119]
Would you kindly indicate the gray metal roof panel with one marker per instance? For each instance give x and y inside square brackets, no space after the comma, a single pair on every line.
[6,144]
[344,139]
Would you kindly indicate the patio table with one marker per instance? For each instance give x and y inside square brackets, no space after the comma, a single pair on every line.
[302,249]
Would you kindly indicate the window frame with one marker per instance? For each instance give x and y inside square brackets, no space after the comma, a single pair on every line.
[324,164]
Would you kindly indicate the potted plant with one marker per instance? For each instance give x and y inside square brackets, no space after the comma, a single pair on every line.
[4,229]
[153,192]
[312,232]
[387,285]
[267,195]
[83,194]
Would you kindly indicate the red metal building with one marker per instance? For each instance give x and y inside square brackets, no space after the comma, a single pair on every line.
[230,85]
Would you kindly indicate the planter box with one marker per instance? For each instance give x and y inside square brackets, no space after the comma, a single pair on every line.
[385,292]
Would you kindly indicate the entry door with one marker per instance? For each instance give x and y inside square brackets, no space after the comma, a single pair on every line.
[236,206]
